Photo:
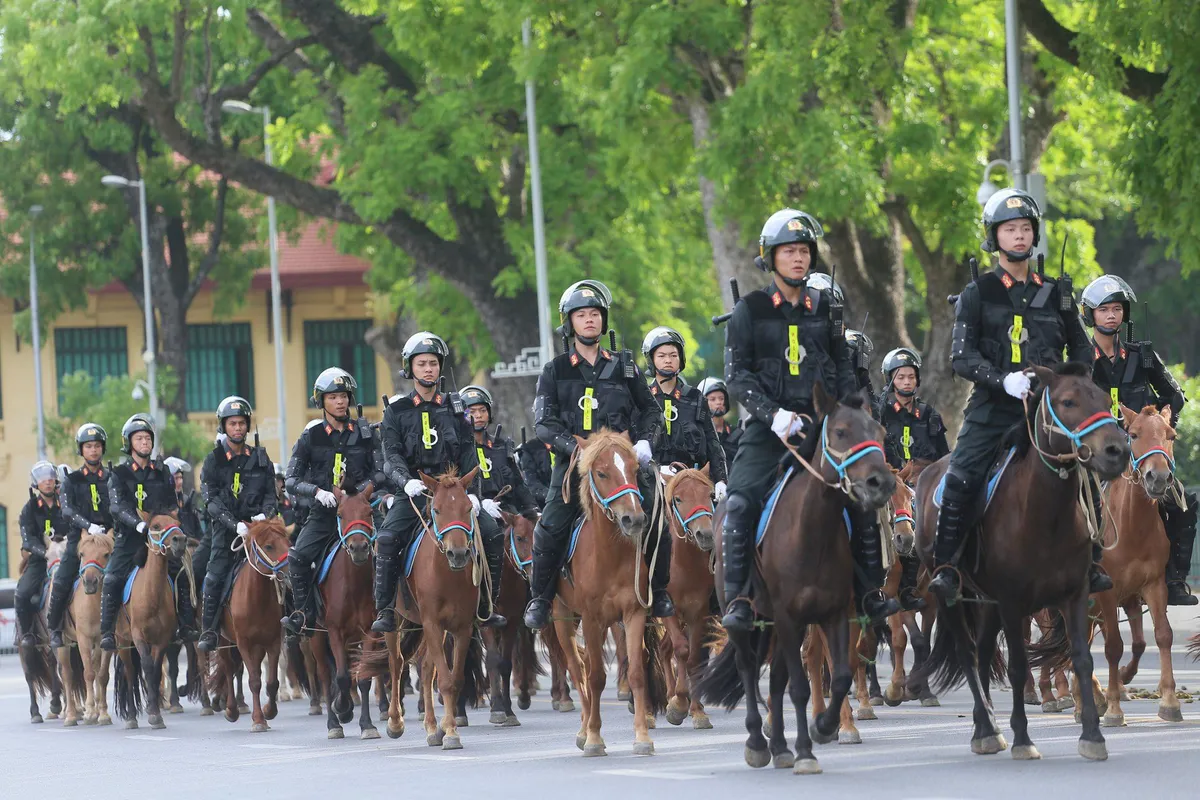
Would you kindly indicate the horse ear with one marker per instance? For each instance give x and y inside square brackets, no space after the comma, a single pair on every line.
[145,515]
[823,402]
[1166,413]
[1046,377]
[705,471]
[338,493]
[1129,414]
[368,490]
[509,518]
[581,442]
[469,478]
[430,483]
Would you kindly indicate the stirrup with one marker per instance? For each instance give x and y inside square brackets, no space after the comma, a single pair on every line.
[385,621]
[946,583]
[208,641]
[537,613]
[735,619]
[295,622]
[108,642]
[56,639]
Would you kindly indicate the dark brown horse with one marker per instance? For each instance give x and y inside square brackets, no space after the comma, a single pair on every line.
[251,621]
[503,644]
[804,576]
[38,661]
[348,605]
[1032,551]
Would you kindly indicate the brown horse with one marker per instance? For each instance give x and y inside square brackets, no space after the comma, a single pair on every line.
[1137,560]
[147,624]
[804,576]
[348,606]
[504,644]
[447,570]
[690,517]
[1032,551]
[251,621]
[88,666]
[609,583]
[38,661]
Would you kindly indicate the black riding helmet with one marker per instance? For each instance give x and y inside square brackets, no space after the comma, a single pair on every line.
[334,379]
[655,339]
[136,423]
[1105,289]
[1005,205]
[233,406]
[475,395]
[584,294]
[785,227]
[900,357]
[710,385]
[419,343]
[823,282]
[90,432]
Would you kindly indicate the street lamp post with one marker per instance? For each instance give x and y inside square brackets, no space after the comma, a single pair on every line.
[1012,51]
[238,107]
[116,181]
[34,211]
[539,223]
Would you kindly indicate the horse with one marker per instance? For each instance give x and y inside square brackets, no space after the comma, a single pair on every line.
[147,622]
[1137,560]
[504,644]
[38,662]
[690,519]
[348,608]
[85,666]
[1032,550]
[251,621]
[448,568]
[560,687]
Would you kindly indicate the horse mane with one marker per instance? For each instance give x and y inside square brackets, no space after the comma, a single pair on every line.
[1073,369]
[598,441]
[274,525]
[448,477]
[688,474]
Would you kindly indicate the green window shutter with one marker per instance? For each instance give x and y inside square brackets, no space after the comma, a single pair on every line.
[341,343]
[220,363]
[3,542]
[99,352]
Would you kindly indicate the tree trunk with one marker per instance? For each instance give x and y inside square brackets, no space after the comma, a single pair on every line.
[943,277]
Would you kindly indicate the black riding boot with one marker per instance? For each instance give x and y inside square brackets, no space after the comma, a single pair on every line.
[60,593]
[910,566]
[25,619]
[301,575]
[494,552]
[952,519]
[737,549]
[661,604]
[1098,581]
[1181,531]
[870,600]
[110,604]
[208,616]
[185,609]
[387,577]
[547,561]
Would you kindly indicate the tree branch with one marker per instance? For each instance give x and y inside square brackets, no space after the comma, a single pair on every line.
[897,208]
[349,39]
[1141,85]
[209,262]
[241,91]
[180,48]
[296,62]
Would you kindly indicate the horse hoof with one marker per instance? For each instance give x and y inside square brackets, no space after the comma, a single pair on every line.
[523,703]
[1124,695]
[243,708]
[131,724]
[893,700]
[452,743]
[625,694]
[1169,714]
[89,720]
[628,704]
[807,766]
[1066,702]
[1078,717]
[821,738]
[1093,751]
[580,741]
[865,713]
[651,722]
[70,722]
[849,737]
[105,719]
[156,723]
[369,733]
[675,716]
[1031,698]
[206,712]
[757,758]
[701,722]
[1050,707]
[511,721]
[566,706]
[260,727]
[435,739]
[643,748]
[335,733]
[988,745]
[314,711]
[784,760]
[175,709]
[52,715]
[594,751]
[877,700]
[498,718]
[462,722]
[231,716]
[931,702]
[1025,752]
[394,733]
[36,719]
[1113,721]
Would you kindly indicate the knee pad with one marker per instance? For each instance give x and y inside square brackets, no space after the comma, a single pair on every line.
[739,509]
[387,544]
[959,488]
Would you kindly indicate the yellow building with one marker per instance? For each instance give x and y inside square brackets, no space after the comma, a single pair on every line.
[325,314]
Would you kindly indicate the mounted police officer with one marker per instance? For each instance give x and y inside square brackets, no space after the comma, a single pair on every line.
[1005,321]
[498,466]
[861,348]
[84,500]
[716,395]
[537,464]
[578,393]
[190,506]
[41,521]
[688,436]
[914,431]
[238,481]
[426,431]
[1133,375]
[131,484]
[283,501]
[781,341]
[332,451]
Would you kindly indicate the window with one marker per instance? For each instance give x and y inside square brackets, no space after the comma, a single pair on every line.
[3,542]
[99,352]
[341,343]
[220,363]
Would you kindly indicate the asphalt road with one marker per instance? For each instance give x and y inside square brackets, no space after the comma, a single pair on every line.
[909,751]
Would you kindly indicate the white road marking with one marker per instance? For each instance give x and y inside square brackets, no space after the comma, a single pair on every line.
[145,737]
[272,746]
[648,773]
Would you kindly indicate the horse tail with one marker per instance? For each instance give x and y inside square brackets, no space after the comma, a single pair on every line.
[656,675]
[1193,647]
[720,682]
[941,669]
[39,667]
[365,664]
[1053,649]
[218,673]
[526,666]
[194,686]
[474,687]
[127,689]
[299,666]
[78,687]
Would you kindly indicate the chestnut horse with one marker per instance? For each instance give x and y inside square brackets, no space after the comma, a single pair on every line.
[512,646]
[251,621]
[89,665]
[609,583]
[1032,550]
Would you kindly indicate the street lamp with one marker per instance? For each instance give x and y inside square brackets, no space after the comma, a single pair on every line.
[238,107]
[34,211]
[117,182]
[987,188]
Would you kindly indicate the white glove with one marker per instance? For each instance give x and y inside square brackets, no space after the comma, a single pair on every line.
[326,498]
[389,501]
[492,508]
[642,448]
[474,502]
[258,518]
[719,490]
[1017,385]
[243,529]
[781,423]
[141,528]
[667,471]
[414,488]
[96,530]
[51,531]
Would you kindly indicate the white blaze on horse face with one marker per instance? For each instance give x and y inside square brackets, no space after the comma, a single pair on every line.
[619,463]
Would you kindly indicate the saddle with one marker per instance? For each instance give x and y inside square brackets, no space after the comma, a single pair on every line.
[125,595]
[986,492]
[764,519]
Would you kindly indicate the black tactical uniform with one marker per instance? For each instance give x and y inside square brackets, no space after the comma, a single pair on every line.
[1136,377]
[430,437]
[84,500]
[575,398]
[497,457]
[728,435]
[537,464]
[237,487]
[41,520]
[1001,326]
[687,436]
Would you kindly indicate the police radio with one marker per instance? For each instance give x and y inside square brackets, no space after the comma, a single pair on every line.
[721,319]
[456,403]
[836,310]
[1066,287]
[625,356]
[973,265]
[1147,346]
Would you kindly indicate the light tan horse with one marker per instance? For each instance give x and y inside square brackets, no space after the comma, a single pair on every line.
[1137,561]
[609,583]
[87,664]
[690,517]
[147,622]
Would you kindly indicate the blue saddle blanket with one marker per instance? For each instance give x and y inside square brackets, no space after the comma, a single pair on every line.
[992,483]
[574,539]
[764,519]
[410,555]
[129,584]
[326,563]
